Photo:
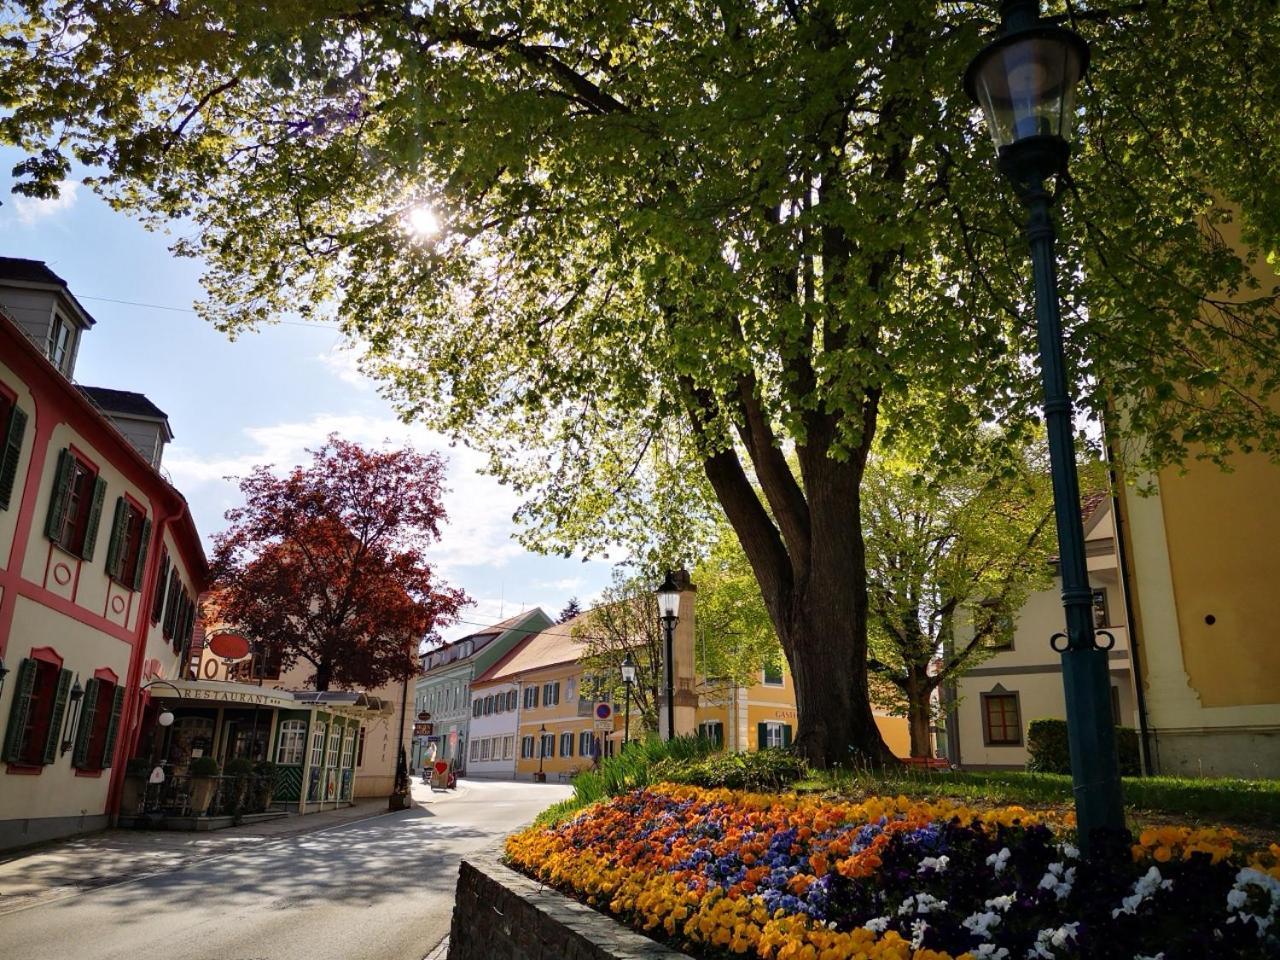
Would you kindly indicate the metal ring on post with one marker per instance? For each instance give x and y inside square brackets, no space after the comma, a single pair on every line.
[1066,642]
[1111,637]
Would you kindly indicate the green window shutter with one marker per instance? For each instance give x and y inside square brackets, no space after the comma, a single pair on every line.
[119,527]
[10,451]
[141,565]
[762,736]
[19,710]
[786,735]
[719,736]
[58,500]
[171,604]
[188,624]
[54,736]
[162,580]
[95,515]
[80,756]
[113,727]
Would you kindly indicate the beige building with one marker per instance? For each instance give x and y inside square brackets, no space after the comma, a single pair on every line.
[1022,681]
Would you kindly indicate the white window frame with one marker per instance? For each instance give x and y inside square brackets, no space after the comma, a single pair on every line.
[773,734]
[291,742]
[349,749]
[317,745]
[335,745]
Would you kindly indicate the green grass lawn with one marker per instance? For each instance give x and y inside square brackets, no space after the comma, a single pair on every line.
[1245,803]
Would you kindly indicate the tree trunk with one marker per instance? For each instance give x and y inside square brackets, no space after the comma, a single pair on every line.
[324,674]
[919,716]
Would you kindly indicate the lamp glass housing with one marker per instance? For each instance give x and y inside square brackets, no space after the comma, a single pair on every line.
[1025,83]
[165,719]
[669,599]
[628,671]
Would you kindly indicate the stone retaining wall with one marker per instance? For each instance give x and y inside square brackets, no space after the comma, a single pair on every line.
[500,914]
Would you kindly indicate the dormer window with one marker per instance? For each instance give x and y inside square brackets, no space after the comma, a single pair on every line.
[59,346]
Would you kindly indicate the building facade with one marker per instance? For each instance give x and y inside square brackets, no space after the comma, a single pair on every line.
[443,691]
[1022,680]
[494,728]
[100,567]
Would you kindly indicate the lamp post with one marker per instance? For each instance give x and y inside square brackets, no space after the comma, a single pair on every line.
[668,613]
[628,678]
[542,750]
[73,716]
[1024,81]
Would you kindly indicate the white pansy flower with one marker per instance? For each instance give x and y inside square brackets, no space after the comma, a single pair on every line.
[980,924]
[1249,882]
[918,928]
[1000,903]
[1143,887]
[998,861]
[936,864]
[989,951]
[877,924]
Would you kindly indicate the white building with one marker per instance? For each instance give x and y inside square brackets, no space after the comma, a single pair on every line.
[495,713]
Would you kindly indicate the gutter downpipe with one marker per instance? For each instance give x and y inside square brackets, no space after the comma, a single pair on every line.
[1122,555]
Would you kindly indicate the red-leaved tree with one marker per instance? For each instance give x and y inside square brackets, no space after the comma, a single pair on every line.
[327,564]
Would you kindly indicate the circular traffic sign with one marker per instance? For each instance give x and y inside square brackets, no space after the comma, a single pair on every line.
[604,711]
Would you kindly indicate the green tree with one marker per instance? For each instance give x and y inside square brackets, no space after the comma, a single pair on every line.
[951,557]
[707,231]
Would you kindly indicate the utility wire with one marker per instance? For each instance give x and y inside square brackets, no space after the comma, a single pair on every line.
[161,306]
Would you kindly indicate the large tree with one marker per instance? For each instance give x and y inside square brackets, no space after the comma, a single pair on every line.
[327,563]
[692,230]
[951,557]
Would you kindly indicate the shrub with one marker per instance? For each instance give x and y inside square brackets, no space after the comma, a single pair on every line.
[204,767]
[240,767]
[763,770]
[1049,752]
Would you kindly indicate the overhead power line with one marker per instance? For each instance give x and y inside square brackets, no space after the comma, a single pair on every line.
[173,309]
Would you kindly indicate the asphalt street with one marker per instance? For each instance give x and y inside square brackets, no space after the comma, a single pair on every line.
[375,889]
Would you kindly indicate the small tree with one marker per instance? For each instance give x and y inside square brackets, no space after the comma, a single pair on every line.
[571,610]
[951,557]
[327,563]
[624,624]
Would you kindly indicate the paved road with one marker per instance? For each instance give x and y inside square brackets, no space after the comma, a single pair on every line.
[376,889]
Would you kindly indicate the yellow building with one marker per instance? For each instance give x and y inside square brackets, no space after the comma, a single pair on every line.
[1202,558]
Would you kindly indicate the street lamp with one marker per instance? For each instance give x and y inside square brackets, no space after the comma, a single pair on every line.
[4,672]
[628,678]
[668,613]
[1024,81]
[542,750]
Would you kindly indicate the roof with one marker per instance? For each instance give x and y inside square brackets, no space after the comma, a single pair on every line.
[556,644]
[1090,502]
[124,402]
[452,650]
[37,273]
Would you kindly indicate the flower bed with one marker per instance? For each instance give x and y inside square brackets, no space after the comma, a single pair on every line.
[787,878]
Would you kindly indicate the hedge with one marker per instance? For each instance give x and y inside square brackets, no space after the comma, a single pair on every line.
[1049,752]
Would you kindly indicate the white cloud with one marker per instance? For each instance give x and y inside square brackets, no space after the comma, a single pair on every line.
[30,209]
[479,529]
[343,361]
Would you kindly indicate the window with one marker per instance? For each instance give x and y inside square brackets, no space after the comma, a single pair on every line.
[499,702]
[511,699]
[570,688]
[508,745]
[548,744]
[291,742]
[996,622]
[488,705]
[566,744]
[127,550]
[39,705]
[530,697]
[526,748]
[58,348]
[348,748]
[317,746]
[551,694]
[1101,618]
[773,674]
[99,721]
[477,705]
[76,505]
[475,750]
[1001,723]
[712,730]
[773,736]
[335,738]
[484,748]
[13,425]
[584,743]
[360,748]
[162,579]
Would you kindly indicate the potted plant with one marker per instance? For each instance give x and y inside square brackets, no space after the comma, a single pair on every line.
[204,773]
[264,785]
[237,773]
[136,773]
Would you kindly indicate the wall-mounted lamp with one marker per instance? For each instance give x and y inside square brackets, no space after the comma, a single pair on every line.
[4,672]
[73,715]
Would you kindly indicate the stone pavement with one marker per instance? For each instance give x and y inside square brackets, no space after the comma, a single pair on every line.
[63,868]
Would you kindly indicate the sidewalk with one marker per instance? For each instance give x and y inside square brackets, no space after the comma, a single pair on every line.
[57,870]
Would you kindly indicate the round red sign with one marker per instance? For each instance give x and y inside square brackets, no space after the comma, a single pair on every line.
[441,766]
[228,646]
[603,711]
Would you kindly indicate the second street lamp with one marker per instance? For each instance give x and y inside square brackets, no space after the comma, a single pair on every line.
[1025,80]
[668,613]
[628,678]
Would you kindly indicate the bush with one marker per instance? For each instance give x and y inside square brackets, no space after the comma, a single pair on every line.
[763,770]
[240,767]
[1049,751]
[204,767]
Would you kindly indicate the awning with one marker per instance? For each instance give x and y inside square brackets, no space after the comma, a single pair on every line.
[219,692]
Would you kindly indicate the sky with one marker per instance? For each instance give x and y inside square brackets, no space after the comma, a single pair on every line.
[263,398]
